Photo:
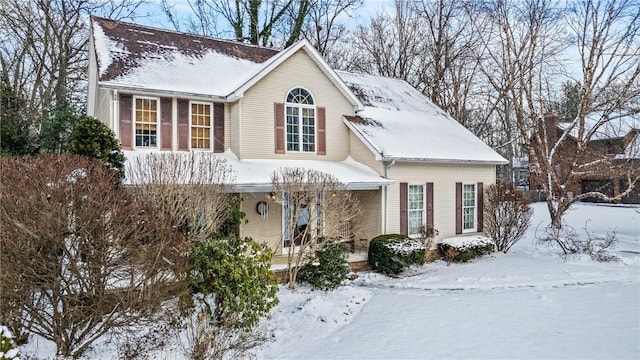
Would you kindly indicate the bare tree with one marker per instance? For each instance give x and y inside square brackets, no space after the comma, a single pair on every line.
[192,188]
[43,47]
[90,255]
[326,27]
[390,45]
[524,52]
[318,211]
[257,22]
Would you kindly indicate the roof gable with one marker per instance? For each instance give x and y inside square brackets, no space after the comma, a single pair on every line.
[139,57]
[136,56]
[399,123]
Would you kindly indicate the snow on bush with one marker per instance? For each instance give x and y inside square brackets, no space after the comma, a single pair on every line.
[392,253]
[8,349]
[465,248]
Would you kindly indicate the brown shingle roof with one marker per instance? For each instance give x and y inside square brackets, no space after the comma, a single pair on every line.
[140,42]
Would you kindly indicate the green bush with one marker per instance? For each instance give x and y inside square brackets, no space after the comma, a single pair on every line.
[93,139]
[392,253]
[238,273]
[328,269]
[8,350]
[463,249]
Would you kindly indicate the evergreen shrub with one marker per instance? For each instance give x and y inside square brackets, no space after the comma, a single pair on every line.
[392,253]
[328,269]
[93,139]
[8,350]
[463,249]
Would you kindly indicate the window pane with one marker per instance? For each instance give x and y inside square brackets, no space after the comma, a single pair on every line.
[469,207]
[146,120]
[299,96]
[416,208]
[200,126]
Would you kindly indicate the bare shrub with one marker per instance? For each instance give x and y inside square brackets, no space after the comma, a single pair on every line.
[569,242]
[507,215]
[427,235]
[206,338]
[191,188]
[91,256]
[599,248]
[318,208]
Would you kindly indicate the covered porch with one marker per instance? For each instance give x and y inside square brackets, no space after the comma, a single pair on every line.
[268,210]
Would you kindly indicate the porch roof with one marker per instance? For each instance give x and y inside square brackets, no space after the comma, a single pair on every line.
[254,175]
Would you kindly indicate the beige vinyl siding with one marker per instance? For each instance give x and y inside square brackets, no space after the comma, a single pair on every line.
[234,127]
[267,230]
[444,178]
[369,225]
[104,108]
[227,126]
[257,133]
[360,152]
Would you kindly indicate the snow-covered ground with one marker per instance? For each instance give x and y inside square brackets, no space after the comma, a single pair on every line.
[528,304]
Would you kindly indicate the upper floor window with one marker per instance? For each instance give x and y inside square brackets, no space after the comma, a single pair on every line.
[300,121]
[469,207]
[146,121]
[201,120]
[416,209]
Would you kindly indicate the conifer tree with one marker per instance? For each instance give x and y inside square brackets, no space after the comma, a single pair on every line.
[93,139]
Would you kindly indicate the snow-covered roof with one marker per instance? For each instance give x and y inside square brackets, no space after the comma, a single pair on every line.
[254,175]
[614,126]
[140,57]
[399,123]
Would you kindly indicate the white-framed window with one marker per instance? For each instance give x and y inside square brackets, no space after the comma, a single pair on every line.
[300,121]
[416,208]
[469,207]
[146,117]
[201,116]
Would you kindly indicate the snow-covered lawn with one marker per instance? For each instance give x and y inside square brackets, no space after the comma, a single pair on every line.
[526,304]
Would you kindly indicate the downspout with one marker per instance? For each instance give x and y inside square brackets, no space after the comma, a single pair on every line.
[386,196]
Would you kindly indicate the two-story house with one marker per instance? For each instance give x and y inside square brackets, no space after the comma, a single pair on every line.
[612,152]
[262,109]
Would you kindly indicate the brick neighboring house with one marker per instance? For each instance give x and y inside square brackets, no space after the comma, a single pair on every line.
[617,143]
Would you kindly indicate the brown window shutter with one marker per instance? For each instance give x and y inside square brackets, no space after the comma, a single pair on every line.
[218,127]
[278,114]
[126,126]
[404,197]
[166,118]
[458,208]
[322,137]
[480,206]
[183,125]
[430,203]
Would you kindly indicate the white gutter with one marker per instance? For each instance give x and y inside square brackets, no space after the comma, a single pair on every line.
[156,92]
[445,161]
[268,187]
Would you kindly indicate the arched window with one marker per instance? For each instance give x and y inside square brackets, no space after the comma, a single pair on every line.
[301,121]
